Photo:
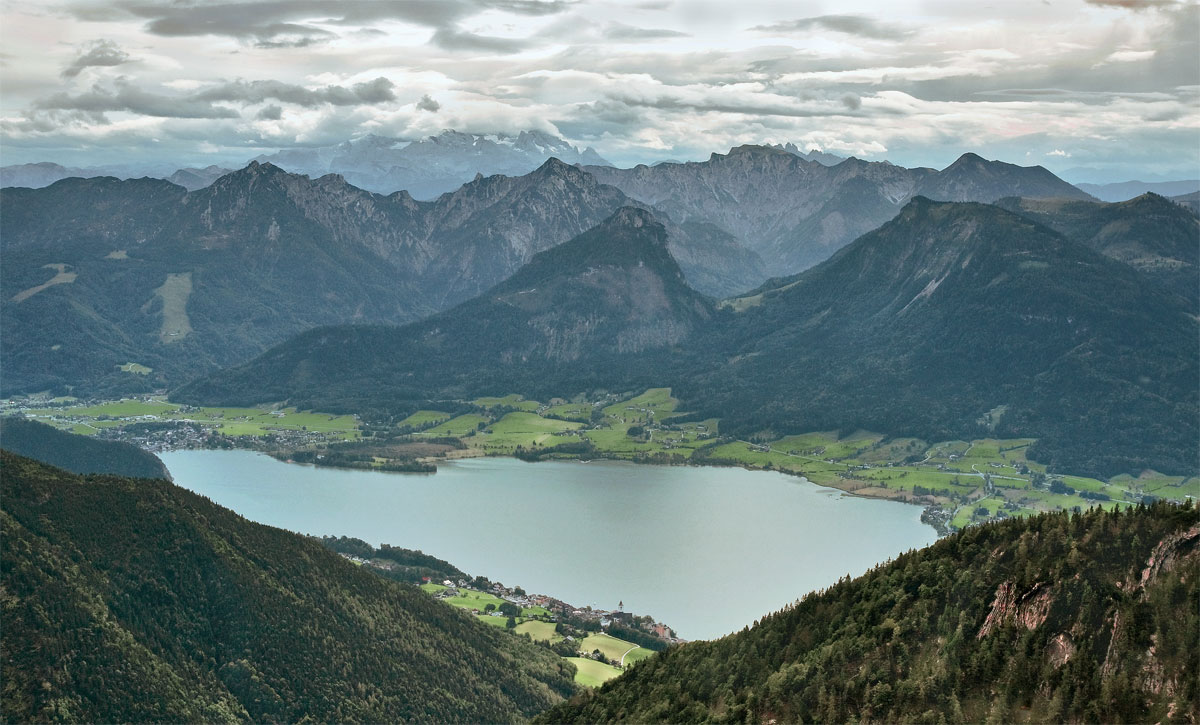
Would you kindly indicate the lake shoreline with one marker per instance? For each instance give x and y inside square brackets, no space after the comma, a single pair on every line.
[708,549]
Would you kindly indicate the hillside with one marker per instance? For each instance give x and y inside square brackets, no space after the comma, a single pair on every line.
[795,212]
[606,302]
[171,608]
[77,453]
[184,282]
[1058,618]
[1149,233]
[953,311]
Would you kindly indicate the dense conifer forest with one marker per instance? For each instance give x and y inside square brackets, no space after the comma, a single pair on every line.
[77,453]
[133,600]
[1068,617]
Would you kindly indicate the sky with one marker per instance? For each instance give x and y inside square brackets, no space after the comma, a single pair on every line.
[1092,89]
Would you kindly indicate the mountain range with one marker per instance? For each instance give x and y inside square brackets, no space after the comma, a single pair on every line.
[183,282]
[795,213]
[954,320]
[1126,190]
[1155,235]
[433,165]
[425,168]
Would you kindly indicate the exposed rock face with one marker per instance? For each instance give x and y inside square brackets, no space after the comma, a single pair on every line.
[1168,554]
[1028,609]
[1060,650]
[796,211]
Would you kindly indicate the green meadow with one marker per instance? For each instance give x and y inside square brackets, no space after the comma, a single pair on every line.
[591,673]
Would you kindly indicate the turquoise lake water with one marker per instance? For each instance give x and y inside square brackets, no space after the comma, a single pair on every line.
[706,550]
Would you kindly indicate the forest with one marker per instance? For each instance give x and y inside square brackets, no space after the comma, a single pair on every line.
[130,600]
[1064,617]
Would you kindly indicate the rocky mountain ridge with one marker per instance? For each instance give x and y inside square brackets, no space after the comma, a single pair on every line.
[796,213]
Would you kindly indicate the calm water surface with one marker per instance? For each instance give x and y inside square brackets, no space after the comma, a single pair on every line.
[706,550]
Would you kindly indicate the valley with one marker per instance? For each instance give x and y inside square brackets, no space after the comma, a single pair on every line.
[959,482]
[758,362]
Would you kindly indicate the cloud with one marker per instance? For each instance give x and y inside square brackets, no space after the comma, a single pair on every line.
[97,53]
[1059,152]
[454,39]
[128,97]
[298,23]
[428,104]
[1129,56]
[269,113]
[859,25]
[380,90]
[1133,4]
[621,31]
[851,101]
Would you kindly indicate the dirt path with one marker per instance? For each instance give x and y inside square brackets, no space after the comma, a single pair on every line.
[636,646]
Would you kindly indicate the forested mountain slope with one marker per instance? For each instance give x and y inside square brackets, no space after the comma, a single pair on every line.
[1059,618]
[77,453]
[133,600]
[953,311]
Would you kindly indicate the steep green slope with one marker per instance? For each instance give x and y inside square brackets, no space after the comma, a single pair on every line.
[130,600]
[76,453]
[1058,618]
[951,311]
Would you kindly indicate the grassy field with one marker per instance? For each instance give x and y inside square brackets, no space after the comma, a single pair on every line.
[539,631]
[471,599]
[656,404]
[611,647]
[591,673]
[135,368]
[454,427]
[508,401]
[572,411]
[423,418]
[637,655]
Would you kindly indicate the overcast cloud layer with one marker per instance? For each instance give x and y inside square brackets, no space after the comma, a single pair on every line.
[1107,85]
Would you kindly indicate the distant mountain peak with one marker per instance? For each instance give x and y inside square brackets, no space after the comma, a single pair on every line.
[752,149]
[969,157]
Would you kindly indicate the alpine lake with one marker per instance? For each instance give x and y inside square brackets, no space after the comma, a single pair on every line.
[706,550]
